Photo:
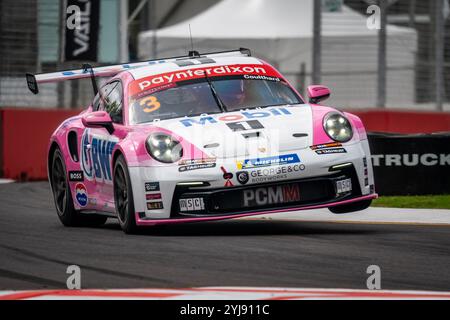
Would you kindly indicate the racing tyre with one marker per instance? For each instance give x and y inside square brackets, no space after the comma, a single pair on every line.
[63,198]
[352,207]
[123,197]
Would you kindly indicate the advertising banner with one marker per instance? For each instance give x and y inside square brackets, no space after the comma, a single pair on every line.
[82,30]
[411,164]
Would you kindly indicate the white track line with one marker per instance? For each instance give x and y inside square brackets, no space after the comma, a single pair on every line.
[5,181]
[369,216]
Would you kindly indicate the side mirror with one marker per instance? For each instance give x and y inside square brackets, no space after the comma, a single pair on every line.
[318,93]
[98,119]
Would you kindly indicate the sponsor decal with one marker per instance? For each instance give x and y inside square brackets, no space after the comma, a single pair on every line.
[326,146]
[242,177]
[268,174]
[199,73]
[343,186]
[252,77]
[192,204]
[331,151]
[242,116]
[245,125]
[154,196]
[81,194]
[152,186]
[96,157]
[196,167]
[271,195]
[155,205]
[191,162]
[269,161]
[411,160]
[152,91]
[275,174]
[329,148]
[76,176]
[196,164]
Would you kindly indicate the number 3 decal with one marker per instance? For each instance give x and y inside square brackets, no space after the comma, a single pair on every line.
[150,104]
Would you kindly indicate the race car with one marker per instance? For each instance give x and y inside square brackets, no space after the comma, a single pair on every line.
[199,138]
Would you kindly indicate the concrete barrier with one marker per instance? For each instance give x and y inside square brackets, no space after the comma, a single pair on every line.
[25,134]
[404,122]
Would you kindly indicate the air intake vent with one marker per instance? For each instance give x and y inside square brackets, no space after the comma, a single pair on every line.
[73,145]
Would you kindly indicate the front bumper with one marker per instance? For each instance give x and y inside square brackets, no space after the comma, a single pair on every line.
[158,191]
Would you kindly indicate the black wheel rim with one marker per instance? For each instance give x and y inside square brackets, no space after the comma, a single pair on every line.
[121,194]
[59,184]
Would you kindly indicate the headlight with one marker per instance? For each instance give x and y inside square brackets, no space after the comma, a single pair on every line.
[338,127]
[164,148]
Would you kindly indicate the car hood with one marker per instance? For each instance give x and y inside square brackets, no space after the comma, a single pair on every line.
[257,132]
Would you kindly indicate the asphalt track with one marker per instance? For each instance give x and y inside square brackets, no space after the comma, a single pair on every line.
[35,251]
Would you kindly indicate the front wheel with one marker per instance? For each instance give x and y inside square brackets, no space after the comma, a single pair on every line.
[123,197]
[63,198]
[352,207]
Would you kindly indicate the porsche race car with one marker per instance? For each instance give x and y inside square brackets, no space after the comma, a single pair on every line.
[199,138]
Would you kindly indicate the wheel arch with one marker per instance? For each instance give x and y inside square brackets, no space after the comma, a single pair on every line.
[117,153]
[51,151]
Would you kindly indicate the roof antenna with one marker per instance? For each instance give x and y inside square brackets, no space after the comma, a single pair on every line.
[192,53]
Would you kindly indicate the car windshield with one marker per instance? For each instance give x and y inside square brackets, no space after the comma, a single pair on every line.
[196,97]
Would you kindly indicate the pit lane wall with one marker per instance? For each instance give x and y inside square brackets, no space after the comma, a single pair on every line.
[413,164]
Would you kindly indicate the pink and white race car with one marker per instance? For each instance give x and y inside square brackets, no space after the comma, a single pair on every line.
[203,137]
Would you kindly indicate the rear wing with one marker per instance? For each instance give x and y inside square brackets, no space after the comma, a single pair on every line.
[33,81]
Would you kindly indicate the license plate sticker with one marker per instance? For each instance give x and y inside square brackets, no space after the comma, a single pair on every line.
[344,186]
[192,204]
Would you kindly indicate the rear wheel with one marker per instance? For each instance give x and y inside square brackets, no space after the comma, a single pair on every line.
[63,198]
[123,197]
[352,207]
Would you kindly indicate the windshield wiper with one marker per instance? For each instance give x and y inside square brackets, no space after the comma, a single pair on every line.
[219,101]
